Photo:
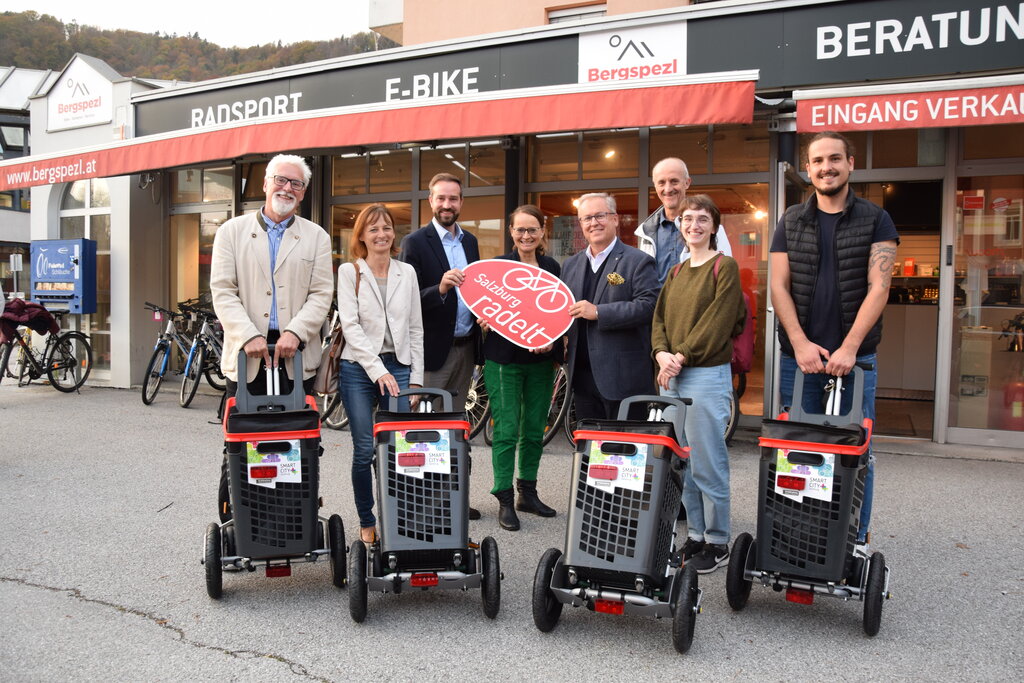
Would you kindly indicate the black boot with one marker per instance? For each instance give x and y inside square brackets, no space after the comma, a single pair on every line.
[528,500]
[507,517]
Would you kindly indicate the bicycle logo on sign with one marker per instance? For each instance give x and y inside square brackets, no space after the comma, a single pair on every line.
[550,296]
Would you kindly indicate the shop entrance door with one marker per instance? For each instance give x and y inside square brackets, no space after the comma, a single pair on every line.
[907,354]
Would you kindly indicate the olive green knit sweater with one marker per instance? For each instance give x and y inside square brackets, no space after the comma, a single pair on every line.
[697,316]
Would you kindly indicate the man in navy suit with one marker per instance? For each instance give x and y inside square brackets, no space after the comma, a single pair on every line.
[616,288]
[439,251]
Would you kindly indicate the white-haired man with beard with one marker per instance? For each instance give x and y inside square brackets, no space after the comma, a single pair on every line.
[271,281]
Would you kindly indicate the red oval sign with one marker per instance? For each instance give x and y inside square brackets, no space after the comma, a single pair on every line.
[523,303]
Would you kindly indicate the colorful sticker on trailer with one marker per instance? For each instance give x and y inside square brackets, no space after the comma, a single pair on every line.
[629,469]
[288,462]
[818,479]
[437,455]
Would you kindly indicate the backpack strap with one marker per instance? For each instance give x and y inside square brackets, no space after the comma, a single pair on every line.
[715,271]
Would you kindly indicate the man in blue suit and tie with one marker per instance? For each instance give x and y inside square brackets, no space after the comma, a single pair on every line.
[439,251]
[616,288]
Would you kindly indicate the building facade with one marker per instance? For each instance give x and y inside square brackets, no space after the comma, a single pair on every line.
[931,93]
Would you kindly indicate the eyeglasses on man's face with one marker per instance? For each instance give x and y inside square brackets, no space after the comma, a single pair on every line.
[525,231]
[281,181]
[595,218]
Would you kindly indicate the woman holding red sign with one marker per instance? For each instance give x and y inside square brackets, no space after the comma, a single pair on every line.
[519,383]
[699,311]
[379,306]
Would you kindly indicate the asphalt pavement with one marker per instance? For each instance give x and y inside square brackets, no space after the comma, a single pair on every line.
[105,502]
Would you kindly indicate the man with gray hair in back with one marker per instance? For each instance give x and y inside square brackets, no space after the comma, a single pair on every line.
[659,234]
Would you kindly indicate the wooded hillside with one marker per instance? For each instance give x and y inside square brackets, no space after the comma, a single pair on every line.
[40,41]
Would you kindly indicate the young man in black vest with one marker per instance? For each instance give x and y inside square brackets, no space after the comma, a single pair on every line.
[831,260]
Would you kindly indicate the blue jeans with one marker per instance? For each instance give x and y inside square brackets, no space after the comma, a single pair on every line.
[706,486]
[813,403]
[360,397]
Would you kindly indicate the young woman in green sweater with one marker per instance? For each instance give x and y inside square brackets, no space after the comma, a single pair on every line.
[699,311]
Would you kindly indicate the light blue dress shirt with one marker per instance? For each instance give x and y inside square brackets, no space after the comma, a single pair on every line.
[275,233]
[669,248]
[452,245]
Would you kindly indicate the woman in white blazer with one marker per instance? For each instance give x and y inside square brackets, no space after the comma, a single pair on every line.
[379,305]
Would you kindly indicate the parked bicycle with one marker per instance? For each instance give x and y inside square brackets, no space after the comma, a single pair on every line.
[204,356]
[65,360]
[332,410]
[174,336]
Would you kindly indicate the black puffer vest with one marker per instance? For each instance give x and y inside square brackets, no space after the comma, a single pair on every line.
[854,232]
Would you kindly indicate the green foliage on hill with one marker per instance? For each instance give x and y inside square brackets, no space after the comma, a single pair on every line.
[39,41]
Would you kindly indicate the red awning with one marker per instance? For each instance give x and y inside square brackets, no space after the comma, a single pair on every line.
[937,104]
[685,100]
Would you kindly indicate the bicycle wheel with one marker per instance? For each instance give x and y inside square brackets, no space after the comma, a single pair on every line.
[193,373]
[5,354]
[734,417]
[334,415]
[478,403]
[69,362]
[569,421]
[155,373]
[559,404]
[214,376]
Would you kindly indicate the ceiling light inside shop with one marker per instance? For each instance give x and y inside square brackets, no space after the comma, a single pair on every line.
[609,154]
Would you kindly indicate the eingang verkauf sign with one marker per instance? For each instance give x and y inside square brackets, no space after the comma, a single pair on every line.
[936,109]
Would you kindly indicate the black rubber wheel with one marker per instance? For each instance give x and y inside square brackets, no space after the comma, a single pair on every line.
[154,373]
[737,587]
[211,559]
[734,417]
[70,362]
[224,494]
[357,581]
[490,584]
[478,403]
[336,535]
[214,377]
[190,378]
[230,545]
[874,594]
[685,616]
[5,355]
[546,608]
[569,421]
[335,416]
[559,404]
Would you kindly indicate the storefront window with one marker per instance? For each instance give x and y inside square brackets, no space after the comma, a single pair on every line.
[442,159]
[390,170]
[481,216]
[202,185]
[348,174]
[85,212]
[191,252]
[486,163]
[987,380]
[609,154]
[908,148]
[994,142]
[552,158]
[740,149]
[689,144]
[252,181]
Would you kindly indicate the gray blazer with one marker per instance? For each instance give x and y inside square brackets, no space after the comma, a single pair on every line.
[620,342]
[362,321]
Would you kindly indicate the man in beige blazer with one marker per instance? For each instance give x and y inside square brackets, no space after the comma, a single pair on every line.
[271,280]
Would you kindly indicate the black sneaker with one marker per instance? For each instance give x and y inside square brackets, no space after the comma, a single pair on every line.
[691,548]
[710,558]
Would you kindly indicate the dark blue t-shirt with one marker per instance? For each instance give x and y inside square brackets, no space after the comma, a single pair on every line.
[824,320]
